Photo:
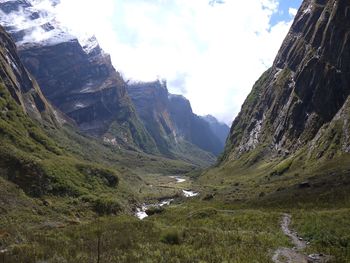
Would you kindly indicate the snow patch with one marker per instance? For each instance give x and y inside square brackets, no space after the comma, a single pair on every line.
[89,44]
[79,105]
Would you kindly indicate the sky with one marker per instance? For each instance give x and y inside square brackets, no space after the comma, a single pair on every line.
[210,51]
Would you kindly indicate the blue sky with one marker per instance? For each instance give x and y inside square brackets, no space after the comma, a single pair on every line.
[210,53]
[283,10]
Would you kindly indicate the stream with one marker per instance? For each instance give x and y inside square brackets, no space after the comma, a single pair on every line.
[141,212]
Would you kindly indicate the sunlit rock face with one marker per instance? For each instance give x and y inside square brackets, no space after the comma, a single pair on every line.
[75,75]
[303,97]
[170,120]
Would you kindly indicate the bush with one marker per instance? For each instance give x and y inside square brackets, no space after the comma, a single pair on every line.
[107,206]
[171,237]
[154,210]
[108,176]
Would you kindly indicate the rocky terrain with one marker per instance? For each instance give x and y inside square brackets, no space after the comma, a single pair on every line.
[76,175]
[220,129]
[303,98]
[77,77]
[170,120]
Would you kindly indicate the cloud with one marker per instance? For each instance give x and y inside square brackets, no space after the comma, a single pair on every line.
[292,11]
[210,53]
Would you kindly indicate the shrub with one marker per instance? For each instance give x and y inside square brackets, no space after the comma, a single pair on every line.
[171,237]
[107,206]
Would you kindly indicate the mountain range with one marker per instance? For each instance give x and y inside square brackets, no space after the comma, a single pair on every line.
[82,151]
[78,78]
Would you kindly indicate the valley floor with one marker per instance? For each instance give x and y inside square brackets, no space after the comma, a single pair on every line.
[189,230]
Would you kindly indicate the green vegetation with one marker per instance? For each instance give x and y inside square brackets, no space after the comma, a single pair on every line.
[327,231]
[176,236]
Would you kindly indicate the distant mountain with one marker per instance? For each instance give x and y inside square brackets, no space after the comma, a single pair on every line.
[43,154]
[171,122]
[220,129]
[77,77]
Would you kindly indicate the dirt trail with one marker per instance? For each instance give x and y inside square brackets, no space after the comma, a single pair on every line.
[294,255]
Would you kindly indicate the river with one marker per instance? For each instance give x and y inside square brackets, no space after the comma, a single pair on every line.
[141,212]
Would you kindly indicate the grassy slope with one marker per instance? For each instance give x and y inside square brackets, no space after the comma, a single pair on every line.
[184,233]
[195,231]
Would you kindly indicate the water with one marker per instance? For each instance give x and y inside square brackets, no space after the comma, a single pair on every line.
[189,193]
[178,179]
[141,212]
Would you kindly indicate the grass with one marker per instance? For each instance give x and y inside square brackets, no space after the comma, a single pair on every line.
[327,230]
[66,197]
[175,236]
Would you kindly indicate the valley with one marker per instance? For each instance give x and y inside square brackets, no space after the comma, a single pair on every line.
[97,168]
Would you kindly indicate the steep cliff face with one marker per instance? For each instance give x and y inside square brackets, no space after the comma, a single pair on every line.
[78,78]
[171,122]
[192,127]
[41,155]
[22,86]
[304,92]
[220,129]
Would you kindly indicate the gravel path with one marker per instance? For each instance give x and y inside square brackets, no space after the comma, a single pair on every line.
[294,255]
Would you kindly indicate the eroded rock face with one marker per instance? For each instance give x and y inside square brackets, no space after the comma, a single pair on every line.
[170,120]
[22,87]
[77,77]
[221,130]
[304,90]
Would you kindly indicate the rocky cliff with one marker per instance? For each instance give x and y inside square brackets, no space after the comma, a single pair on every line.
[77,77]
[193,127]
[42,154]
[22,87]
[220,129]
[169,119]
[299,100]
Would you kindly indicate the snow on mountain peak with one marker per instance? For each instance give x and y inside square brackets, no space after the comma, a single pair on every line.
[33,22]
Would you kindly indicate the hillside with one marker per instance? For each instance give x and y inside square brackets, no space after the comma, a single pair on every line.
[220,129]
[290,141]
[169,119]
[77,77]
[78,183]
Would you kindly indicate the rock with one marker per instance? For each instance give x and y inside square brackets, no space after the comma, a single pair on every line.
[169,118]
[3,251]
[262,194]
[154,210]
[304,97]
[319,258]
[46,202]
[221,130]
[208,197]
[304,185]
[80,80]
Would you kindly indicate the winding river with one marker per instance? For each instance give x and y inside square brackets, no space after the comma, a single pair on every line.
[141,212]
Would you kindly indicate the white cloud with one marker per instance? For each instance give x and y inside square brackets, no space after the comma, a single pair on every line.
[212,54]
[292,11]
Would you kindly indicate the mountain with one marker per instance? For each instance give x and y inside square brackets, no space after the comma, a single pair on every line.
[306,89]
[76,76]
[294,125]
[43,156]
[221,130]
[169,118]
